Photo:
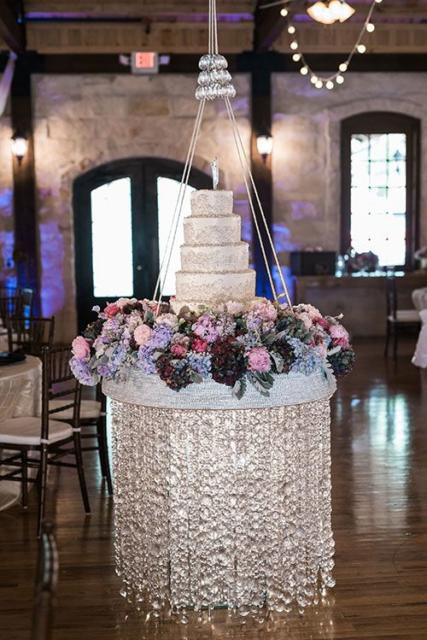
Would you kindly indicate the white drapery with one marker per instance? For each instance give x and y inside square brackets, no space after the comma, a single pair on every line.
[6,81]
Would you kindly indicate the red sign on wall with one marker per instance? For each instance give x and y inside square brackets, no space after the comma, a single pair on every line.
[145,62]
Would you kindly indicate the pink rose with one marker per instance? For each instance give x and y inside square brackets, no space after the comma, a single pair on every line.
[81,348]
[178,350]
[199,345]
[111,310]
[142,334]
[259,360]
[339,335]
[264,310]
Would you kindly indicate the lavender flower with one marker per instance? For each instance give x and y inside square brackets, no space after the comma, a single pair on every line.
[307,359]
[146,361]
[83,372]
[160,338]
[200,363]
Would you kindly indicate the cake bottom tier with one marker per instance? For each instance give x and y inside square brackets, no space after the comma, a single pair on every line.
[213,288]
[223,507]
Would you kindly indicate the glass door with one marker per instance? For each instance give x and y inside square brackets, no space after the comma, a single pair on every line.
[122,219]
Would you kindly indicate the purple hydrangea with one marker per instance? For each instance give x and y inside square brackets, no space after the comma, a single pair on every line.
[206,328]
[146,360]
[160,338]
[200,363]
[83,372]
[307,360]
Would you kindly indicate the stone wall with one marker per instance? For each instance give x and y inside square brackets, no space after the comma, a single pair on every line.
[6,205]
[306,160]
[84,121]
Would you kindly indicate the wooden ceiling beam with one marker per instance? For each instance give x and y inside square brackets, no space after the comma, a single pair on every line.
[11,32]
[268,26]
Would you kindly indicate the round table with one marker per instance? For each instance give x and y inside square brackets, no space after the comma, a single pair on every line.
[419,298]
[219,501]
[20,395]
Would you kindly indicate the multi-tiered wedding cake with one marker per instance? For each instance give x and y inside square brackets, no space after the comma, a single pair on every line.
[214,259]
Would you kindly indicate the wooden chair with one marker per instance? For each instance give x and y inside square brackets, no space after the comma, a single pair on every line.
[50,438]
[11,306]
[30,335]
[399,321]
[45,587]
[92,414]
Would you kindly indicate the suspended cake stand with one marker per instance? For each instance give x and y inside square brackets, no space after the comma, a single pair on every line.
[219,501]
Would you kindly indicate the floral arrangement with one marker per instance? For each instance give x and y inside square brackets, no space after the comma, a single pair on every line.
[232,344]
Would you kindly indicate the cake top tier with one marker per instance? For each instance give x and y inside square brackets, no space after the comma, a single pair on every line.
[208,202]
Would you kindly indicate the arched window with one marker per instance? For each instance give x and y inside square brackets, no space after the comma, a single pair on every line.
[122,217]
[380,186]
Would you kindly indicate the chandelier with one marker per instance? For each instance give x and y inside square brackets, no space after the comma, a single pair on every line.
[330,11]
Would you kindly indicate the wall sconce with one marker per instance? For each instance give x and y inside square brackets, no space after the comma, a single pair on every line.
[264,145]
[19,146]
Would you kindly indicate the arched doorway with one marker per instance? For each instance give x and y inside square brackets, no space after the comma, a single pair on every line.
[122,216]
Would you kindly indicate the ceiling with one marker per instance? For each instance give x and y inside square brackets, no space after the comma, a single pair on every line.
[180,26]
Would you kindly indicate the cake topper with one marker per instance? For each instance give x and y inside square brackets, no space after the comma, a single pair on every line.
[215,173]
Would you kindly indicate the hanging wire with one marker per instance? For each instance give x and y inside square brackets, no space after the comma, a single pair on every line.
[158,292]
[246,172]
[261,209]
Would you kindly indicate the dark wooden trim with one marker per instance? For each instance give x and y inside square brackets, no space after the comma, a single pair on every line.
[11,31]
[271,62]
[261,115]
[268,26]
[384,122]
[24,184]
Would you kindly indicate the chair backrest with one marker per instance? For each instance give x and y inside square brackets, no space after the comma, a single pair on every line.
[391,296]
[59,383]
[45,587]
[11,306]
[30,335]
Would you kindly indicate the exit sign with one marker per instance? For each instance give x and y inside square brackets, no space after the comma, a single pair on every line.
[144,62]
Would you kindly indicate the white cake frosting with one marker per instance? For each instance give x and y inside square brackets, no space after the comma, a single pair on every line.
[214,259]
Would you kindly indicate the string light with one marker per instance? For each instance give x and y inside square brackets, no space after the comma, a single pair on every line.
[284,13]
[337,78]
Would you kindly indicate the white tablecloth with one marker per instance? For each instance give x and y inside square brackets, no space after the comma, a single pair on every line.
[20,395]
[419,298]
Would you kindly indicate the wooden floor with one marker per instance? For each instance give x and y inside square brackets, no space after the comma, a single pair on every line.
[380,521]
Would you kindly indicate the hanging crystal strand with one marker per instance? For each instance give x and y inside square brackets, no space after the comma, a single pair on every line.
[178,516]
[276,527]
[327,564]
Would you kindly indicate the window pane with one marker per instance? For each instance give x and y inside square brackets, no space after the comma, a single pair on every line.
[112,258]
[378,196]
[167,195]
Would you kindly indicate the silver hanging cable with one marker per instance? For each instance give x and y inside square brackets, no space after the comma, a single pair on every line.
[178,206]
[261,210]
[251,204]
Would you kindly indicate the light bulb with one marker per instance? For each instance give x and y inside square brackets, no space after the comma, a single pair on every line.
[284,12]
[291,29]
[370,27]
[329,84]
[361,48]
[296,57]
[303,71]
[264,145]
[319,84]
[294,45]
[19,146]
[343,66]
[339,79]
[313,79]
[378,1]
